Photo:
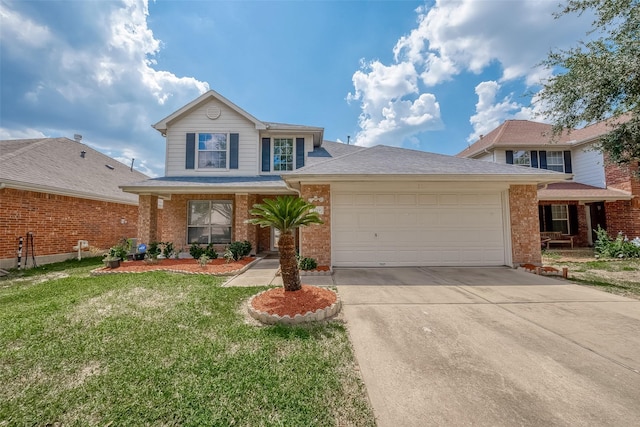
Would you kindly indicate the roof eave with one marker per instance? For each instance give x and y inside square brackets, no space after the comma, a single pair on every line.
[513,178]
[62,192]
[586,199]
[168,190]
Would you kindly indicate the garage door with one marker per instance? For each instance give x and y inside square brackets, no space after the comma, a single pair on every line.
[423,228]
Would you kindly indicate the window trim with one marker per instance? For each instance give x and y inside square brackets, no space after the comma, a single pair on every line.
[293,153]
[566,219]
[211,202]
[516,157]
[561,157]
[227,152]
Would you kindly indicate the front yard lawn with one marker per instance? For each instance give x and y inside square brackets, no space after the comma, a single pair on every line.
[164,349]
[618,276]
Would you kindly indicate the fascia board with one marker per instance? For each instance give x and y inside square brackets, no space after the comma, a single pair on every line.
[587,199]
[520,179]
[63,192]
[204,190]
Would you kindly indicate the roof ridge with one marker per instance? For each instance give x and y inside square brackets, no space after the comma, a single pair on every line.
[27,147]
[336,158]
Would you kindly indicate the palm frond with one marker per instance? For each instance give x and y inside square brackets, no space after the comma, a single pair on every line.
[285,213]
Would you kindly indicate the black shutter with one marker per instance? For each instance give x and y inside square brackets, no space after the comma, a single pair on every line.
[541,217]
[266,154]
[534,159]
[573,220]
[567,162]
[509,157]
[548,218]
[233,151]
[190,160]
[299,152]
[543,159]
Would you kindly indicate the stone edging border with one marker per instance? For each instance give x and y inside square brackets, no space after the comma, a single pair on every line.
[309,316]
[316,272]
[100,271]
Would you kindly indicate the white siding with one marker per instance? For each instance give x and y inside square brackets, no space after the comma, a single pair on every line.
[500,156]
[228,122]
[588,166]
[487,157]
[308,146]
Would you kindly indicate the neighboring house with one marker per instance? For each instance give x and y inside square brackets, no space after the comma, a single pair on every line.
[381,206]
[62,191]
[600,194]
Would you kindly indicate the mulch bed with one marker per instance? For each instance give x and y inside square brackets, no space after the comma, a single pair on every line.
[280,302]
[216,267]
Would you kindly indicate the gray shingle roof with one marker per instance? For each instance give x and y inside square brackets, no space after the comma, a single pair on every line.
[385,160]
[55,165]
[330,150]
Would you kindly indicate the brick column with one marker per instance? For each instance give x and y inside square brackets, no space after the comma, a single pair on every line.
[147,218]
[315,240]
[525,225]
[243,203]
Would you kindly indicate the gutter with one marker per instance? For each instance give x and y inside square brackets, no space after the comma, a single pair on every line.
[62,192]
[531,179]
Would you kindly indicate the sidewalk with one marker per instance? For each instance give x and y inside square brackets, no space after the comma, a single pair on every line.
[263,273]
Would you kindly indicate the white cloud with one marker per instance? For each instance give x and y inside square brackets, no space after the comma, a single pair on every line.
[21,134]
[454,37]
[98,77]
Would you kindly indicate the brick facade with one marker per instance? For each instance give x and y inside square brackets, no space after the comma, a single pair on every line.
[58,222]
[525,225]
[581,238]
[316,239]
[623,215]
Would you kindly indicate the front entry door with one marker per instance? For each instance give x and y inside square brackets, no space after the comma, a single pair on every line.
[598,217]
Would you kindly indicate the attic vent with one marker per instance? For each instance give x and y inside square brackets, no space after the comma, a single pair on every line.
[83,153]
[110,167]
[77,137]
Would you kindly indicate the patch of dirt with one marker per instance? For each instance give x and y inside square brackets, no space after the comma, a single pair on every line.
[281,302]
[34,280]
[79,377]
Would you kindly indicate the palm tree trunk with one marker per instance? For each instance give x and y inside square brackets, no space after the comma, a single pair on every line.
[288,262]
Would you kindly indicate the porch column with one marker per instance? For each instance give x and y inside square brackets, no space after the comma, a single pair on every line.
[147,218]
[525,224]
[315,240]
[241,230]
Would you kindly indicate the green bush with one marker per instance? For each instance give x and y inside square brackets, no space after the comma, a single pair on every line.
[307,263]
[196,251]
[620,247]
[238,250]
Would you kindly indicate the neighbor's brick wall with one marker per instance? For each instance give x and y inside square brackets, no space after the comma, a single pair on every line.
[525,225]
[315,240]
[58,222]
[623,215]
[581,238]
[148,219]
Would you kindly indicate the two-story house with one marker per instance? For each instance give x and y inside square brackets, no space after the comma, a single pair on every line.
[381,206]
[600,193]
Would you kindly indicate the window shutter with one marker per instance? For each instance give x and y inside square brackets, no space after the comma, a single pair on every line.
[534,159]
[190,160]
[509,154]
[541,217]
[233,150]
[573,219]
[299,152]
[567,162]
[543,159]
[548,218]
[266,154]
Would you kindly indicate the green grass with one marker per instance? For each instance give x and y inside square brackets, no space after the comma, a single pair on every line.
[165,349]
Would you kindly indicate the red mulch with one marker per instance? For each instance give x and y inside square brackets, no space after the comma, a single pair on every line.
[281,302]
[215,266]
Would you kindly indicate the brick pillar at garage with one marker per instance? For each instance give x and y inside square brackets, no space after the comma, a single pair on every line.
[315,240]
[243,231]
[147,218]
[525,224]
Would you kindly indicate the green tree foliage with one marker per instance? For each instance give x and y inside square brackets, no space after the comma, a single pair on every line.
[600,78]
[286,213]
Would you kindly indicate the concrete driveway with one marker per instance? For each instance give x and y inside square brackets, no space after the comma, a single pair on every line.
[492,346]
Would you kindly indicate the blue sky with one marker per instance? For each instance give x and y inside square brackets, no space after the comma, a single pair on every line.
[425,75]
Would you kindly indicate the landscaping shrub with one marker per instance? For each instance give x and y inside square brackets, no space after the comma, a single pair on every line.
[307,263]
[196,251]
[620,247]
[238,250]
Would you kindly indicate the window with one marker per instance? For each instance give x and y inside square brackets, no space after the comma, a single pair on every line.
[555,161]
[209,221]
[522,158]
[560,218]
[283,154]
[212,151]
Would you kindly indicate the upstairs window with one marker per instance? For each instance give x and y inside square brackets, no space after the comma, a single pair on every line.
[555,161]
[212,151]
[283,154]
[522,158]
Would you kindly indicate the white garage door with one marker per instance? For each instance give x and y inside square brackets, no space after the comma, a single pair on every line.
[422,228]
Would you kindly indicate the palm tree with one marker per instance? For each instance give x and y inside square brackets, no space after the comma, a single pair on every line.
[286,213]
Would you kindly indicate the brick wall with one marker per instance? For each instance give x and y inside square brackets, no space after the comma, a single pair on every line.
[623,215]
[315,240]
[58,222]
[525,226]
